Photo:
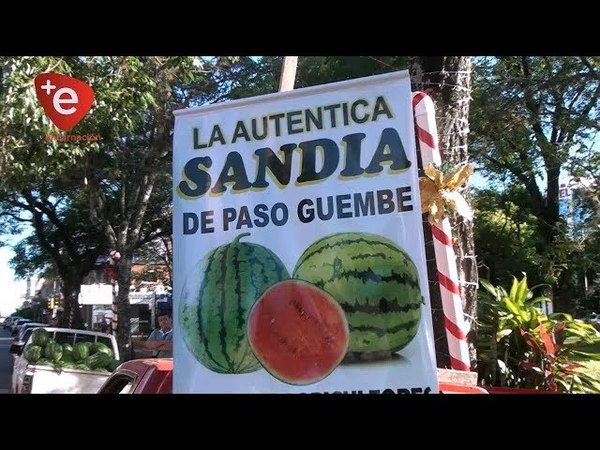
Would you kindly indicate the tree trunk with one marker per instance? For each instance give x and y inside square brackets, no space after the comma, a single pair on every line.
[168,256]
[71,317]
[447,80]
[123,308]
[564,293]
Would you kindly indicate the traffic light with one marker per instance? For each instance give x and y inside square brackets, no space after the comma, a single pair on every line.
[55,302]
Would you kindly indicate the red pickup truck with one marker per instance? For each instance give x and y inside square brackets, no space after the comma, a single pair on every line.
[141,376]
[155,376]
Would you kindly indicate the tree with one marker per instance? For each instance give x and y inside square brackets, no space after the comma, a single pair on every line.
[64,243]
[259,76]
[37,188]
[158,256]
[126,176]
[537,129]
[129,177]
[506,236]
[447,80]
[24,312]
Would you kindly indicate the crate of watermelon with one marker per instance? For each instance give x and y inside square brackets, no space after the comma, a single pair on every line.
[62,360]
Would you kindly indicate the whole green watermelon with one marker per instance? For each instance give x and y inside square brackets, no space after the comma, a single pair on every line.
[40,337]
[112,365]
[376,284]
[99,347]
[67,356]
[80,351]
[232,278]
[53,351]
[33,353]
[98,360]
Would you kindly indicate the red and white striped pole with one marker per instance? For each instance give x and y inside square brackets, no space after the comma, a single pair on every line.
[456,329]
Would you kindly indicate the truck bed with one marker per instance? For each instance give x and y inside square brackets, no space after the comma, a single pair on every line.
[49,380]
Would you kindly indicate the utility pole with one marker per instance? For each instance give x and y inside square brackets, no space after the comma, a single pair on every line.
[288,73]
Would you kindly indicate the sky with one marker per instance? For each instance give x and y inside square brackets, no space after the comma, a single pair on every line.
[11,289]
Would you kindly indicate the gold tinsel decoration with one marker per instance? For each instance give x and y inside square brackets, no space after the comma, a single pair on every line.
[439,192]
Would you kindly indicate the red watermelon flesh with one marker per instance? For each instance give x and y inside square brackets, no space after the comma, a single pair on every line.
[298,332]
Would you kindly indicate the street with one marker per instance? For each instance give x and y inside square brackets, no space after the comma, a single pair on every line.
[6,360]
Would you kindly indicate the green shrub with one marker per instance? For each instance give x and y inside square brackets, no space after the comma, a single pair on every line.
[520,346]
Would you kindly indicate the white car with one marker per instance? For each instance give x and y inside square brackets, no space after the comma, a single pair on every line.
[8,322]
[16,324]
[594,319]
[26,326]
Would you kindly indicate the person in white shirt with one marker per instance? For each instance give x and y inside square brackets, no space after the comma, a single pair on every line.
[161,339]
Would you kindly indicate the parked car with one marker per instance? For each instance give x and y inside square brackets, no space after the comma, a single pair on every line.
[141,376]
[593,319]
[23,338]
[9,321]
[16,324]
[26,326]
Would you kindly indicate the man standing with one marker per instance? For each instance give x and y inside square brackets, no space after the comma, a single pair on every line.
[161,339]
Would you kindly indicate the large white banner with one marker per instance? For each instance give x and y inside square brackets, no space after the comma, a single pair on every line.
[95,294]
[299,263]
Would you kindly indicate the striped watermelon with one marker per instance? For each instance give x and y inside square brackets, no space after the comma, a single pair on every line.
[213,320]
[97,360]
[67,347]
[376,284]
[112,365]
[67,356]
[40,337]
[53,351]
[33,353]
[99,347]
[80,351]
